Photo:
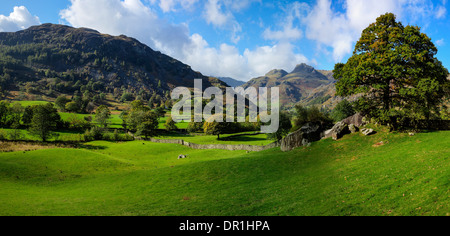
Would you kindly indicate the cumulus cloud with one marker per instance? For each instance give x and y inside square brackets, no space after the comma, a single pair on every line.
[228,62]
[440,42]
[174,5]
[131,18]
[289,32]
[134,19]
[340,30]
[214,14]
[218,14]
[19,19]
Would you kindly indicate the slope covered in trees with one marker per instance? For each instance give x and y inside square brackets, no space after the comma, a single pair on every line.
[55,59]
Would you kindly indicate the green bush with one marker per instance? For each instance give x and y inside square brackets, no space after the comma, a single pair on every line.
[306,115]
[96,133]
[343,110]
[3,135]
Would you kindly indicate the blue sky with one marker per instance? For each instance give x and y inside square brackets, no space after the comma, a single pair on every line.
[241,39]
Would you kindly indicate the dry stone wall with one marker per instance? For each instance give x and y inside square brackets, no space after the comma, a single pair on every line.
[250,148]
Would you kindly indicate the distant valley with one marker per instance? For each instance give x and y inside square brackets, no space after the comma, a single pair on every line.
[46,61]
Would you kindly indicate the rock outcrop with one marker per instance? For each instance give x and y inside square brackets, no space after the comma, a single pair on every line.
[357,120]
[303,137]
[349,125]
[368,132]
[339,130]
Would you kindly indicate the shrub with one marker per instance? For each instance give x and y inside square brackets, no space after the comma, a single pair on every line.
[195,127]
[170,124]
[96,133]
[310,115]
[3,135]
[343,110]
[284,128]
[15,134]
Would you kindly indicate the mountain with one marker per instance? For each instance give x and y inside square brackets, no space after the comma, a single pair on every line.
[231,82]
[300,84]
[49,60]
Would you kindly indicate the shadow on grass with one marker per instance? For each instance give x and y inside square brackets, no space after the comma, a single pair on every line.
[91,147]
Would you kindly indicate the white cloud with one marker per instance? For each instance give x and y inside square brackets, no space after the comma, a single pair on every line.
[173,5]
[266,58]
[228,62]
[340,30]
[220,14]
[441,12]
[290,31]
[19,19]
[440,42]
[329,28]
[132,18]
[214,14]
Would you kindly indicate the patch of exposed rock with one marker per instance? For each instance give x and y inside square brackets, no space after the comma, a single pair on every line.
[303,137]
[349,125]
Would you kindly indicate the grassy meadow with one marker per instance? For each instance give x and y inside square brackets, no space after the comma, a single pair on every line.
[385,174]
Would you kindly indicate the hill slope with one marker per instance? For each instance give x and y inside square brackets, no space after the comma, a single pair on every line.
[357,175]
[49,58]
[294,86]
[231,82]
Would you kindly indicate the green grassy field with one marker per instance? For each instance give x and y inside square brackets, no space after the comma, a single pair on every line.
[115,121]
[257,140]
[31,103]
[354,176]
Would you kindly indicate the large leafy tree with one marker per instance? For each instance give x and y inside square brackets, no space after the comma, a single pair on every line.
[212,127]
[102,116]
[395,69]
[45,120]
[149,124]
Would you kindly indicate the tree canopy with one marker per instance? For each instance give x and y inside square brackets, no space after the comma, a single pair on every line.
[395,69]
[45,120]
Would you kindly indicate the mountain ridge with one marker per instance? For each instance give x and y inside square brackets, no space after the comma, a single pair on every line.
[297,85]
[68,60]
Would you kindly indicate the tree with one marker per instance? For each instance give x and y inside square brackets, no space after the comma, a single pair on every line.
[45,120]
[61,102]
[170,124]
[126,97]
[212,127]
[138,105]
[138,113]
[4,112]
[342,110]
[195,127]
[72,106]
[395,69]
[28,115]
[102,116]
[148,125]
[16,112]
[306,115]
[284,128]
[160,112]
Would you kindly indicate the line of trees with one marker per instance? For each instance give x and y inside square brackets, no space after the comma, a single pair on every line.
[40,120]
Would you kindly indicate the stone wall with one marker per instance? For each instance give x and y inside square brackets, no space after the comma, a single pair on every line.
[251,148]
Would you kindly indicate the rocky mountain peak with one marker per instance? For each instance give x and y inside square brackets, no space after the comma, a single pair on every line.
[277,73]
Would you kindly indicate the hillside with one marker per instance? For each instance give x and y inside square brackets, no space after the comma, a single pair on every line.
[48,60]
[231,82]
[296,85]
[380,175]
